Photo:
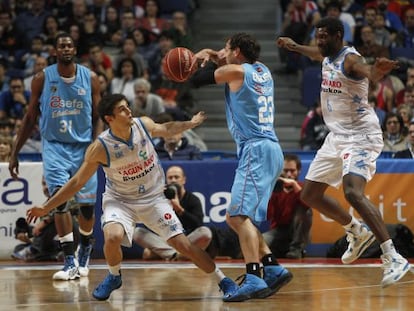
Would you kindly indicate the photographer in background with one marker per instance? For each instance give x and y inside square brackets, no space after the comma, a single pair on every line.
[290,218]
[188,208]
[39,241]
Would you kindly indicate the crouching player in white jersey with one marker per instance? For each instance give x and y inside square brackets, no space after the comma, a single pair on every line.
[134,190]
[351,148]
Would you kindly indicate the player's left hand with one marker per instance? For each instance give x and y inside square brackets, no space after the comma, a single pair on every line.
[34,213]
[198,118]
[384,65]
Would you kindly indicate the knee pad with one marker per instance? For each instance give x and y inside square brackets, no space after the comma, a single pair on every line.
[62,209]
[87,211]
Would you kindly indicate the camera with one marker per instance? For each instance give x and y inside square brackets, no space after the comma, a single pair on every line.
[278,186]
[171,190]
[23,227]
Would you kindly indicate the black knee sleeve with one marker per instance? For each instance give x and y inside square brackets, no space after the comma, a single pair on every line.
[62,209]
[87,211]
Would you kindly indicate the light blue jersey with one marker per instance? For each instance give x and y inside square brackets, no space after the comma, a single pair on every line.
[66,108]
[250,110]
[66,127]
[250,115]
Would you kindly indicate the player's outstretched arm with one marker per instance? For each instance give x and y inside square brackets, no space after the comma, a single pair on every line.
[95,155]
[356,66]
[310,51]
[174,127]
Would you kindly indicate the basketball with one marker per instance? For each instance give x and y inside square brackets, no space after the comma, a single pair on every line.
[176,64]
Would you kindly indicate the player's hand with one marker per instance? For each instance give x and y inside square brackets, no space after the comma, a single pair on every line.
[198,118]
[384,65]
[205,56]
[286,43]
[34,213]
[14,167]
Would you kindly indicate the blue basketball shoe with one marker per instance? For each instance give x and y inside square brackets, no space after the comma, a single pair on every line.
[107,286]
[276,277]
[70,270]
[84,255]
[251,287]
[228,287]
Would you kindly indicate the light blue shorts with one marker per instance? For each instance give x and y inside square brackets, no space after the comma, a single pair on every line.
[60,162]
[260,164]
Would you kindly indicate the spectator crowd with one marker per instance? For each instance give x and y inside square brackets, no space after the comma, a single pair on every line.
[123,41]
[376,28]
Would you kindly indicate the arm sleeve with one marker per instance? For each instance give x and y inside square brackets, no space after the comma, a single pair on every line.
[204,76]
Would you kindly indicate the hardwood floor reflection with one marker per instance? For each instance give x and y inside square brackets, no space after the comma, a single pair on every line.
[181,286]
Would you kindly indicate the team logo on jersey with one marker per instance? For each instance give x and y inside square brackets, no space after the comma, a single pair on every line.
[119,154]
[53,89]
[346,155]
[116,146]
[143,154]
[81,91]
[167,216]
[143,142]
[141,189]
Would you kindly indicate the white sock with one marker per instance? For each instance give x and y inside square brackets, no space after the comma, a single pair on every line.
[219,274]
[388,247]
[115,270]
[354,226]
[66,238]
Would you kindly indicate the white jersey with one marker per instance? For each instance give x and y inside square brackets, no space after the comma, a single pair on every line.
[133,170]
[344,100]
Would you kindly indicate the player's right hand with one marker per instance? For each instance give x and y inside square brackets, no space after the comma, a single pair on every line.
[286,43]
[14,167]
[32,214]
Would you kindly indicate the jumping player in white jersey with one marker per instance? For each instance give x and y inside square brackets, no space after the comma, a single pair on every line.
[134,190]
[350,150]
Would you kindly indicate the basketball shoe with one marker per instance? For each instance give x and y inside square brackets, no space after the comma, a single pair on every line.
[107,286]
[84,254]
[70,270]
[228,287]
[357,244]
[276,277]
[251,286]
[395,267]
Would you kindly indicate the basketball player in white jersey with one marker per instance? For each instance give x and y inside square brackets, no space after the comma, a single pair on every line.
[134,190]
[350,150]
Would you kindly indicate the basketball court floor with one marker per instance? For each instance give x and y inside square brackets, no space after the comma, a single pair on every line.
[319,284]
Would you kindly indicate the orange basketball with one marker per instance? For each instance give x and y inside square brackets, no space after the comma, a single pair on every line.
[176,64]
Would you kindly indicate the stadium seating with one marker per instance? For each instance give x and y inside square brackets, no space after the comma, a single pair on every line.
[311,84]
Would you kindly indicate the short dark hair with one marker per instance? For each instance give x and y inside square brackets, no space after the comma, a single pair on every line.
[248,46]
[294,157]
[63,35]
[332,25]
[107,104]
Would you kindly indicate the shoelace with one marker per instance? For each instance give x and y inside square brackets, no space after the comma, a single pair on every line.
[242,277]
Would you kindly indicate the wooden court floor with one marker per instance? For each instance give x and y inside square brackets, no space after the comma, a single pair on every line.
[318,285]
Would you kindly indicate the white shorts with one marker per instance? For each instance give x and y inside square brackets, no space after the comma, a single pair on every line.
[345,154]
[158,216]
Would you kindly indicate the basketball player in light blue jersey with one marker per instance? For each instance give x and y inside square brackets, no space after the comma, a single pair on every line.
[250,115]
[134,190]
[64,96]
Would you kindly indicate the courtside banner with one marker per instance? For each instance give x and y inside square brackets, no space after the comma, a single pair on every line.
[211,180]
[16,196]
